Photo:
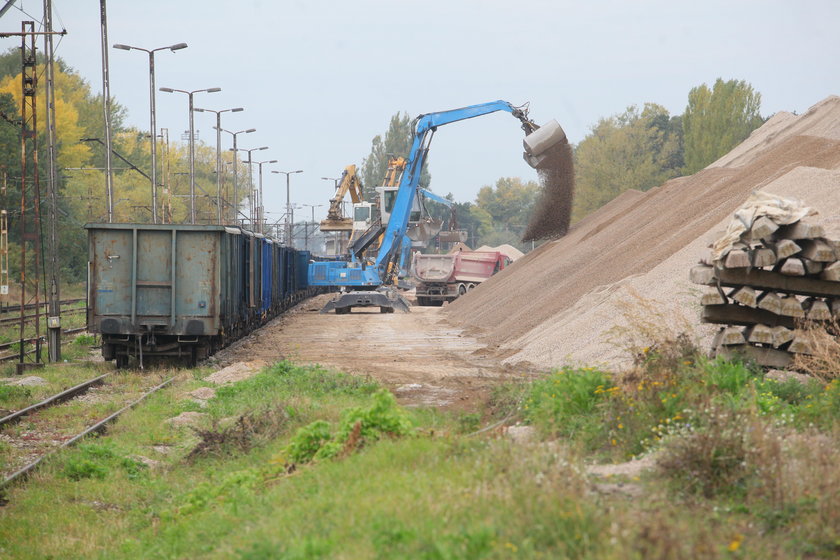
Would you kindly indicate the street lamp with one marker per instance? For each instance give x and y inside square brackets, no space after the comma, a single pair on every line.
[250,179]
[333,179]
[153,126]
[219,153]
[259,209]
[289,215]
[306,230]
[235,184]
[192,140]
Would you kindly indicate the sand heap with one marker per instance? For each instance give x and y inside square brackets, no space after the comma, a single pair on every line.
[556,305]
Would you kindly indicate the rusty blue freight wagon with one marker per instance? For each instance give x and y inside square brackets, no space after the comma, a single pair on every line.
[184,290]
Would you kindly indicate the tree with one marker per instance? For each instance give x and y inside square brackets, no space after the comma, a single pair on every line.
[510,203]
[631,150]
[397,143]
[718,119]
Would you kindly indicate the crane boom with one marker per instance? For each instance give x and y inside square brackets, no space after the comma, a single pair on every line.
[374,284]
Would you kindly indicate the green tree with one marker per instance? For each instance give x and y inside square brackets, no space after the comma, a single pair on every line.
[397,143]
[718,119]
[632,150]
[509,203]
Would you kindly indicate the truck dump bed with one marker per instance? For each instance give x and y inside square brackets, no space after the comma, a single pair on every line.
[463,266]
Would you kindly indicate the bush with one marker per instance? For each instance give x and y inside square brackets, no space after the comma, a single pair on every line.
[566,403]
[358,426]
[713,458]
[98,460]
[12,392]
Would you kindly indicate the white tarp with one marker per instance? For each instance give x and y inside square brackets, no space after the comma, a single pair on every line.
[781,210]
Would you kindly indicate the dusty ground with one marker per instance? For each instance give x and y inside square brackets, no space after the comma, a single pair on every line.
[421,356]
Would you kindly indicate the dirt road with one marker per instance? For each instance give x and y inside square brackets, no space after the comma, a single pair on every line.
[422,357]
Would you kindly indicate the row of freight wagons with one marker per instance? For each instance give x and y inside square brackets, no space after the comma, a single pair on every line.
[185,290]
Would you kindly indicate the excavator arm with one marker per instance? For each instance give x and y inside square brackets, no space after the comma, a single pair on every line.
[349,183]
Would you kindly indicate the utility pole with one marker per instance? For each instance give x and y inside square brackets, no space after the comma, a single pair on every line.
[106,108]
[29,162]
[53,296]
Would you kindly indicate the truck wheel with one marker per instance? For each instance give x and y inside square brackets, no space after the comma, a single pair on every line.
[470,287]
[462,289]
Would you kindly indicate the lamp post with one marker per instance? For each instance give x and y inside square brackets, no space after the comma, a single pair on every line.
[192,140]
[289,214]
[259,198]
[251,180]
[235,204]
[333,179]
[306,230]
[153,126]
[219,153]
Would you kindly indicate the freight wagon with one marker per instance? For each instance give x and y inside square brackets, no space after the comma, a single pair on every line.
[185,290]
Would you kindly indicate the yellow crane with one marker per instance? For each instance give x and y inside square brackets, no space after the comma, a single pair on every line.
[349,182]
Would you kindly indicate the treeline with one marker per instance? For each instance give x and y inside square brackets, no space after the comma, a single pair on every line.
[81,162]
[639,148]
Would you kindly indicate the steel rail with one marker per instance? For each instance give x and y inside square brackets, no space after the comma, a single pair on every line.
[29,318]
[16,308]
[16,355]
[98,427]
[55,399]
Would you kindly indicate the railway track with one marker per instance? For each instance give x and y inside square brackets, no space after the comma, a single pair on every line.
[14,320]
[16,355]
[59,440]
[12,309]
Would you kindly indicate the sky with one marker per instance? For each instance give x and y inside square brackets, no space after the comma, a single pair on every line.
[319,79]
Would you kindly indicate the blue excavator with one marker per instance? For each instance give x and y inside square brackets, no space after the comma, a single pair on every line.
[365,284]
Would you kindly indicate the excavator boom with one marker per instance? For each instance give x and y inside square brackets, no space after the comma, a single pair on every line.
[349,183]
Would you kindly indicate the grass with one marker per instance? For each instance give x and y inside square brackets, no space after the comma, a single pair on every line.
[302,462]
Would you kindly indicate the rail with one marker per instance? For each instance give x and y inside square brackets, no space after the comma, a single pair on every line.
[16,308]
[98,427]
[53,400]
[16,355]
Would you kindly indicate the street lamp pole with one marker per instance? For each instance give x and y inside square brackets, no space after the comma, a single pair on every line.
[235,204]
[153,126]
[289,215]
[251,181]
[219,154]
[192,141]
[259,198]
[306,230]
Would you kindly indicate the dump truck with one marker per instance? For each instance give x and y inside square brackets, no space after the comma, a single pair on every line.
[443,278]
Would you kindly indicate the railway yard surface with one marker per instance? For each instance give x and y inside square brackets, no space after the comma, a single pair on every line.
[422,356]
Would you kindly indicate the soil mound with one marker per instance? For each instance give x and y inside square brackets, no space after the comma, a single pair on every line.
[557,304]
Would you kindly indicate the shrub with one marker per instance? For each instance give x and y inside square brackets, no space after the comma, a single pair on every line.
[567,402]
[12,392]
[84,340]
[358,426]
[713,458]
[97,460]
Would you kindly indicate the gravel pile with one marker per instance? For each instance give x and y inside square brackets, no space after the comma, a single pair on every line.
[555,305]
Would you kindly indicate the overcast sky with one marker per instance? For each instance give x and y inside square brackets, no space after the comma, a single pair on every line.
[319,79]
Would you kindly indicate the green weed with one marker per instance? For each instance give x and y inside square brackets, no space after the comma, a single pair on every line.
[570,403]
[11,392]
